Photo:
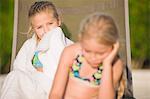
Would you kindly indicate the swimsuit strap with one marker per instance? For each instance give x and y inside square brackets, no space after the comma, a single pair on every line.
[74,71]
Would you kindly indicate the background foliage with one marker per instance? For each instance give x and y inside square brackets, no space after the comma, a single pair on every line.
[6,32]
[139,11]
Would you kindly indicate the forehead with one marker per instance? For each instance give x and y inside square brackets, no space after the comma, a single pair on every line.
[42,14]
[94,46]
[41,17]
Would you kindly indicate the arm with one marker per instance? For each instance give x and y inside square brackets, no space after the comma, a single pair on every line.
[61,76]
[117,72]
[111,75]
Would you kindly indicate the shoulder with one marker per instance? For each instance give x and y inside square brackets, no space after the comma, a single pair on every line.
[69,53]
[117,71]
[118,63]
[27,45]
[28,41]
[118,67]
[72,49]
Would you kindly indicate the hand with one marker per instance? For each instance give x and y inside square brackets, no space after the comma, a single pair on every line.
[110,58]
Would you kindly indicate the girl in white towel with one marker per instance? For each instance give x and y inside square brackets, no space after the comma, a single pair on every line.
[35,65]
[43,17]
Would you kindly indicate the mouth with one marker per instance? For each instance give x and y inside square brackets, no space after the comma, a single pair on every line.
[95,65]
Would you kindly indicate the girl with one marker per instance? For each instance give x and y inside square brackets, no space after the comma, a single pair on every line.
[35,65]
[90,68]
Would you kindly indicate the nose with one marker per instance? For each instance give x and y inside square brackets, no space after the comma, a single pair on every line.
[46,29]
[93,57]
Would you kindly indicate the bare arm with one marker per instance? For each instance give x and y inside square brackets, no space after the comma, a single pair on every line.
[111,75]
[61,76]
[117,72]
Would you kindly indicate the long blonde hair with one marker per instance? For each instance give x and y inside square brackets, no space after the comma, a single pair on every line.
[101,27]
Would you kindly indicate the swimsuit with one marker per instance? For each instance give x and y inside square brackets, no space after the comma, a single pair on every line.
[74,71]
[35,61]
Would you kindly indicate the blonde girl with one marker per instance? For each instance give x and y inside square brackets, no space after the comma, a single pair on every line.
[90,68]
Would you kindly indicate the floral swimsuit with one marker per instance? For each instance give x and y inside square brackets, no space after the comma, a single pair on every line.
[74,71]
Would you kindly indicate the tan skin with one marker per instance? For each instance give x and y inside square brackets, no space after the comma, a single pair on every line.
[66,87]
[42,23]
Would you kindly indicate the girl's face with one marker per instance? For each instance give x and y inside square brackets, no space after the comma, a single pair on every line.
[43,22]
[95,52]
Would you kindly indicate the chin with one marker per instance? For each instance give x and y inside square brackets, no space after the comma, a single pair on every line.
[95,65]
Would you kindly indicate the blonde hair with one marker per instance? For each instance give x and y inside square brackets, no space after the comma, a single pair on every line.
[42,6]
[100,27]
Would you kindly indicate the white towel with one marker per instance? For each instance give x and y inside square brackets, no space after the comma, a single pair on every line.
[25,82]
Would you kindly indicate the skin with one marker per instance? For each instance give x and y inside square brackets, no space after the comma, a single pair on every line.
[42,23]
[94,54]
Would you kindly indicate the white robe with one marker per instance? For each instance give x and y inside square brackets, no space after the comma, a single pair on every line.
[24,81]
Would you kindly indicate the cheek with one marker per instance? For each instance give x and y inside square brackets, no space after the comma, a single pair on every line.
[39,34]
[50,27]
[86,54]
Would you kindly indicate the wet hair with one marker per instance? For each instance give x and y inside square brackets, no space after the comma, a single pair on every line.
[100,27]
[42,6]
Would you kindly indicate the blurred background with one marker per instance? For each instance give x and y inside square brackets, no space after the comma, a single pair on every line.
[6,34]
[139,16]
[139,24]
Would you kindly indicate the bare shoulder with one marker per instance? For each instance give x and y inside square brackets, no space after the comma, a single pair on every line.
[118,62]
[117,71]
[69,53]
[118,66]
[72,49]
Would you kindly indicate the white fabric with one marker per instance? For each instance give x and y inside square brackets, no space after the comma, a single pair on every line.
[25,82]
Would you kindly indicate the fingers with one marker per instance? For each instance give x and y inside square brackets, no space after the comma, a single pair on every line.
[112,55]
[116,47]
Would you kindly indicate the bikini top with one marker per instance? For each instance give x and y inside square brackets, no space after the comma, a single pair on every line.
[75,71]
[35,61]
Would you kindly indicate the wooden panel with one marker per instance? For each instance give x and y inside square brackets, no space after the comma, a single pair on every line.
[72,12]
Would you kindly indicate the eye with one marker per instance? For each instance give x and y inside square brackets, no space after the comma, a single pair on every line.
[50,23]
[39,27]
[87,51]
[100,53]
